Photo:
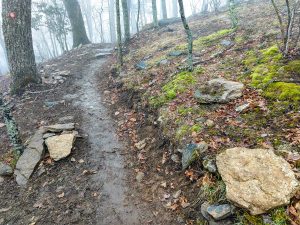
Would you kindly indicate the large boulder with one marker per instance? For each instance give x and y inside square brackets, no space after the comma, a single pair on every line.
[219,91]
[256,179]
[60,146]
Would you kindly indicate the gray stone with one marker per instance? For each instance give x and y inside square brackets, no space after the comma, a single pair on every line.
[256,179]
[175,158]
[163,62]
[220,212]
[226,43]
[219,91]
[242,108]
[60,127]
[50,104]
[31,156]
[140,176]
[142,65]
[47,135]
[5,170]
[192,153]
[66,119]
[176,53]
[210,165]
[1,180]
[102,55]
[210,219]
[60,146]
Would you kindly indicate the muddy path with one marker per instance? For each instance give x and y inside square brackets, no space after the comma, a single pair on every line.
[105,153]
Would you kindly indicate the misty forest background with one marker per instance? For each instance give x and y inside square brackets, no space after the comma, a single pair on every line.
[51,27]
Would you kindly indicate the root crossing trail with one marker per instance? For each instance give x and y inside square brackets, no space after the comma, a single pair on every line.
[105,153]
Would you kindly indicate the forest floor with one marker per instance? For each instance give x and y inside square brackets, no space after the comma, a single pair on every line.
[126,167]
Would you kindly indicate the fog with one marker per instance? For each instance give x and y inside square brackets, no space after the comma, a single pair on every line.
[99,17]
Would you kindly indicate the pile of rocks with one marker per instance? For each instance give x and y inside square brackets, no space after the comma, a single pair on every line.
[58,139]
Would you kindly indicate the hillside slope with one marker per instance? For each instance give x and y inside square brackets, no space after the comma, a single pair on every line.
[156,103]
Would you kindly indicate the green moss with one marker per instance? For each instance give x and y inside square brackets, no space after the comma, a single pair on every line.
[293,67]
[248,219]
[182,131]
[207,40]
[283,91]
[279,216]
[196,128]
[267,66]
[178,85]
[214,193]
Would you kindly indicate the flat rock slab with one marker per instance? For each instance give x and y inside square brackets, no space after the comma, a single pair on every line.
[60,127]
[60,146]
[30,158]
[256,179]
[219,91]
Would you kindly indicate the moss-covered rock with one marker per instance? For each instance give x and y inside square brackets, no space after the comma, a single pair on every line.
[267,68]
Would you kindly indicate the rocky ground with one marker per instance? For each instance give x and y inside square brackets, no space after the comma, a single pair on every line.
[156,144]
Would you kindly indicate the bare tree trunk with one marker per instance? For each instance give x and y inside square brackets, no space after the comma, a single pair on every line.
[189,35]
[126,20]
[138,17]
[154,13]
[164,9]
[17,33]
[119,34]
[204,7]
[77,23]
[175,8]
[112,24]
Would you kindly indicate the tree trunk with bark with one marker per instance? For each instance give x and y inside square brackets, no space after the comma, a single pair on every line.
[126,20]
[164,9]
[112,24]
[175,8]
[119,34]
[17,33]
[154,13]
[189,35]
[79,33]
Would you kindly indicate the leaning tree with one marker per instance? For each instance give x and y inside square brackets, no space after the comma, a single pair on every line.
[79,33]
[16,16]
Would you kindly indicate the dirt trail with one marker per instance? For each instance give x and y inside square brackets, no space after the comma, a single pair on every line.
[105,154]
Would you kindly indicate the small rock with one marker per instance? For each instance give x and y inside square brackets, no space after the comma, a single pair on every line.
[226,43]
[142,65]
[192,153]
[60,127]
[219,212]
[164,62]
[204,212]
[176,53]
[175,158]
[210,165]
[242,108]
[51,104]
[257,179]
[209,123]
[140,176]
[47,135]
[60,146]
[2,125]
[1,180]
[177,194]
[66,119]
[141,145]
[5,170]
